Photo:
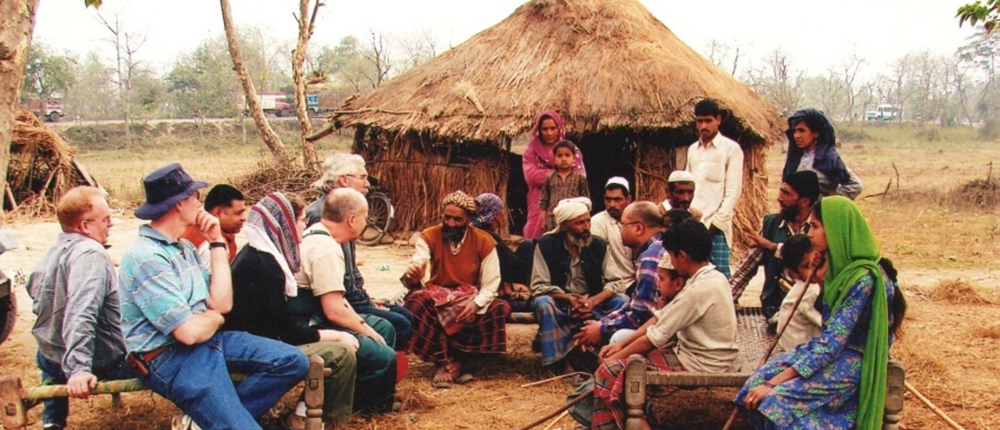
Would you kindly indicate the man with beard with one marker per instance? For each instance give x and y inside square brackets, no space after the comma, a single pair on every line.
[567,280]
[798,193]
[454,309]
[716,162]
[607,225]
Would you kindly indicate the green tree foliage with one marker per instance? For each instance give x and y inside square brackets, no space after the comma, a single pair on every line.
[94,96]
[979,13]
[202,82]
[46,74]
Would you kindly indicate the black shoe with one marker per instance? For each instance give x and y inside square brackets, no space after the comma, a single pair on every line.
[536,344]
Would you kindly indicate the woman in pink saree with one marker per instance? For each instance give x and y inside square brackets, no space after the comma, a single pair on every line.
[537,163]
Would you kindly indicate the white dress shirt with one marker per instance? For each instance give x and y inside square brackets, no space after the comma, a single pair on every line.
[718,173]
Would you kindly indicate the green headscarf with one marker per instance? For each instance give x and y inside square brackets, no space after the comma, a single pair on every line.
[853,254]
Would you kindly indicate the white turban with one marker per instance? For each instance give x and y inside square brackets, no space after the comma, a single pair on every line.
[568,209]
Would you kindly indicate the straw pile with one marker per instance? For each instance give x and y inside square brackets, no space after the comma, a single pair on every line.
[42,167]
[957,292]
[270,176]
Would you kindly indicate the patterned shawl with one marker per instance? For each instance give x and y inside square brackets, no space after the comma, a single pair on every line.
[270,228]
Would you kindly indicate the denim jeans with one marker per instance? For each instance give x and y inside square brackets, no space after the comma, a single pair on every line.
[56,410]
[196,378]
[400,318]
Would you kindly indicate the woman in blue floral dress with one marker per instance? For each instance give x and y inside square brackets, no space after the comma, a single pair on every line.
[837,379]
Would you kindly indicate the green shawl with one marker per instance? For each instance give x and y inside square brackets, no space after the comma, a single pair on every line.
[852,254]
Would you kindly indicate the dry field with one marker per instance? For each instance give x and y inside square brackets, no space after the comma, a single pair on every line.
[947,251]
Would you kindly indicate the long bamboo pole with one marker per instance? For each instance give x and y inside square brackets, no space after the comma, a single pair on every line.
[558,411]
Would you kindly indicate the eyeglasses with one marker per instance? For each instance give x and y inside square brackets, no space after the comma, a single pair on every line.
[361,177]
[630,223]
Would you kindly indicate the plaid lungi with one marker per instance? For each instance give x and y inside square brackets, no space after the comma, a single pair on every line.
[609,381]
[720,253]
[556,324]
[487,333]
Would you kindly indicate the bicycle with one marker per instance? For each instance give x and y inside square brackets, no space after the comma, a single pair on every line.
[381,212]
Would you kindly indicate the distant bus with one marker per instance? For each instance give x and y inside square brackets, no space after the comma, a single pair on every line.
[882,112]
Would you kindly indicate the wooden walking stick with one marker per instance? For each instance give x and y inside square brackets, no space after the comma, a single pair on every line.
[781,330]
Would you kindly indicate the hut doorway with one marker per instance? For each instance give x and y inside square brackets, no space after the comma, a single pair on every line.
[606,155]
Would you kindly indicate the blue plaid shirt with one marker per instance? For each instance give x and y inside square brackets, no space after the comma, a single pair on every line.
[161,284]
[640,308]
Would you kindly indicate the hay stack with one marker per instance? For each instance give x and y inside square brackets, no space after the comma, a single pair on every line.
[270,176]
[42,167]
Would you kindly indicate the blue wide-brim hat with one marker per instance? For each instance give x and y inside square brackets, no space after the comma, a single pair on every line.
[164,188]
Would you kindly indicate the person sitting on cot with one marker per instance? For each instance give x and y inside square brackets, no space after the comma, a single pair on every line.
[805,321]
[695,331]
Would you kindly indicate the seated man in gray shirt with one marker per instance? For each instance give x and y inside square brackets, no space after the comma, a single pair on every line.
[75,294]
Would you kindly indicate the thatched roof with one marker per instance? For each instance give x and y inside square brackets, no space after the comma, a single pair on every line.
[603,64]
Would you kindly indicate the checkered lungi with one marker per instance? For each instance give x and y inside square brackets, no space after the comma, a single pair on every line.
[609,381]
[486,334]
[720,253]
[557,326]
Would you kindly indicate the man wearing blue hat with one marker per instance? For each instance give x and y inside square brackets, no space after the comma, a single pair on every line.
[171,315]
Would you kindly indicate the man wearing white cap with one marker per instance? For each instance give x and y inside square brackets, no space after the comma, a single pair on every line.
[716,162]
[607,225]
[567,279]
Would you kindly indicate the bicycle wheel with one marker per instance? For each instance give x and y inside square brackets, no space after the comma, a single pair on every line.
[380,215]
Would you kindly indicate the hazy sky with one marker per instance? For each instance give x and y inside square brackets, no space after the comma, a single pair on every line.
[817,34]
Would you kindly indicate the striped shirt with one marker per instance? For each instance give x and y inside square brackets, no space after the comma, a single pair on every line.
[162,284]
[643,302]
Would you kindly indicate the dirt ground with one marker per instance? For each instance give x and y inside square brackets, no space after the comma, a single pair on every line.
[949,348]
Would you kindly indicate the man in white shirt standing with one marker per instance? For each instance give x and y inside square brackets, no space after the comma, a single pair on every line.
[716,162]
[619,269]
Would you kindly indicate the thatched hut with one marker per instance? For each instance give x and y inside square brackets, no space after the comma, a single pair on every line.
[624,83]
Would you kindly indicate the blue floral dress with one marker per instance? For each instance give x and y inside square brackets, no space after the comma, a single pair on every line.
[826,394]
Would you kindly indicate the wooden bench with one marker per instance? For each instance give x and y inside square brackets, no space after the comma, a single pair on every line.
[15,401]
[753,340]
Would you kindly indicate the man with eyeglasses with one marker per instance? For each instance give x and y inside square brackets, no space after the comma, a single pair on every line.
[75,292]
[348,171]
[641,228]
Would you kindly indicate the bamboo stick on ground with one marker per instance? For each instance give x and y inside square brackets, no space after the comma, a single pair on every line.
[558,411]
[559,418]
[937,411]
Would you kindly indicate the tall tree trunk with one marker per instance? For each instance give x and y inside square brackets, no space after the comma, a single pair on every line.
[306,22]
[16,25]
[267,133]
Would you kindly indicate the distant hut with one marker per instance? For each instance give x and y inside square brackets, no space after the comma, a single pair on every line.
[624,83]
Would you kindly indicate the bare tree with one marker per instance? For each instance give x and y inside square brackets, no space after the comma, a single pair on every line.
[126,44]
[15,42]
[417,48]
[307,24]
[267,134]
[725,56]
[849,69]
[777,80]
[378,55]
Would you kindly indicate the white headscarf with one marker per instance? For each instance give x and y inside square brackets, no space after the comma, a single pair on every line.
[568,209]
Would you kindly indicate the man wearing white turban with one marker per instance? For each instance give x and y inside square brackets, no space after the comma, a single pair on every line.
[567,279]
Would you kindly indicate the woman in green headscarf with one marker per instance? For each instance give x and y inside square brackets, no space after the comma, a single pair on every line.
[837,379]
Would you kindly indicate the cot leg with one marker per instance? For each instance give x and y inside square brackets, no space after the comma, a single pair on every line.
[116,400]
[314,394]
[14,414]
[635,392]
[894,390]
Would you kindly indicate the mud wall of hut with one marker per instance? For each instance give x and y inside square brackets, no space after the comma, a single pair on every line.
[419,172]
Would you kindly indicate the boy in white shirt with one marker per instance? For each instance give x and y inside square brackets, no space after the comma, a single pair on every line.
[805,321]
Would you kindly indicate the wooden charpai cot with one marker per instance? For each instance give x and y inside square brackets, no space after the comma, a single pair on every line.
[753,340]
[15,401]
